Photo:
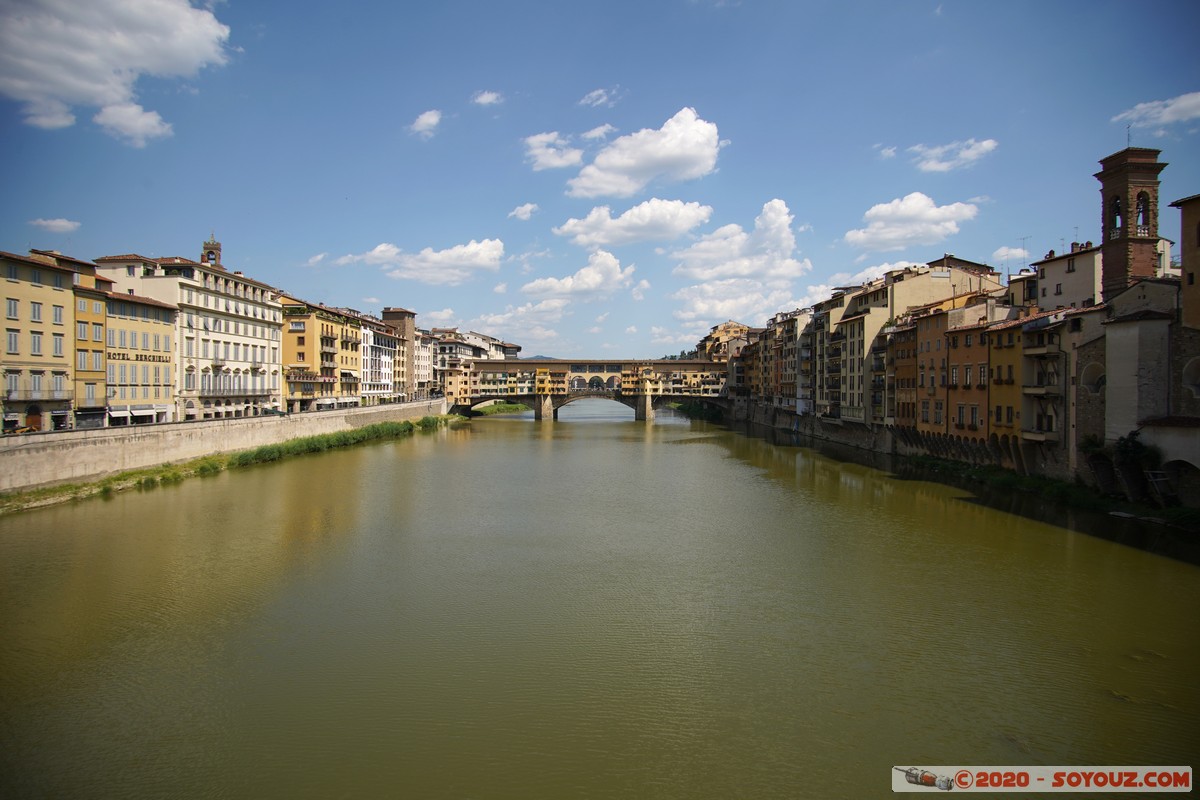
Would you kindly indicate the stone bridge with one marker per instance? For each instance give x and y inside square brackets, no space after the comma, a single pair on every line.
[547,385]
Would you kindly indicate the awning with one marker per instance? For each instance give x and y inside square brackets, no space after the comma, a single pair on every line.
[115,413]
[149,412]
[59,413]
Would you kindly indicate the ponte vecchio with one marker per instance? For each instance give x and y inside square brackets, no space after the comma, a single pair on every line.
[547,385]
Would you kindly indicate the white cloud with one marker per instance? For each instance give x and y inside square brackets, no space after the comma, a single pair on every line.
[551,151]
[602,276]
[684,148]
[530,322]
[599,132]
[730,252]
[1162,112]
[372,300]
[603,316]
[595,330]
[131,122]
[912,220]
[317,259]
[868,274]
[631,329]
[684,338]
[741,299]
[440,319]
[426,123]
[885,152]
[945,157]
[58,225]
[654,219]
[1007,253]
[449,267]
[487,98]
[57,54]
[524,212]
[600,97]
[500,288]
[639,291]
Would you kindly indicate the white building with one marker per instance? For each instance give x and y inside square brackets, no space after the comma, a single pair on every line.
[227,331]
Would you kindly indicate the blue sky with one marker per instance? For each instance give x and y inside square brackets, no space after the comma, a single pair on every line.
[586,180]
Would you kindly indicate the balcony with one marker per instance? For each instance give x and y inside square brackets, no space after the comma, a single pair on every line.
[218,361]
[1046,349]
[1039,435]
[235,392]
[328,349]
[1041,389]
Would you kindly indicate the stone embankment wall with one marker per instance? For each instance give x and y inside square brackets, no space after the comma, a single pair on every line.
[28,461]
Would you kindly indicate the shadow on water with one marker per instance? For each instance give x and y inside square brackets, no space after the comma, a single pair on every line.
[1159,539]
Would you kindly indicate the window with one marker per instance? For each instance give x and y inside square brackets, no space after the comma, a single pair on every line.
[983,374]
[13,342]
[82,306]
[121,338]
[89,391]
[1058,288]
[36,275]
[81,359]
[1043,291]
[1008,416]
[58,315]
[968,340]
[954,376]
[35,343]
[999,415]
[97,360]
[58,344]
[12,272]
[97,332]
[35,380]
[961,414]
[97,307]
[967,376]
[12,381]
[81,331]
[112,373]
[14,308]
[145,341]
[58,281]
[1070,265]
[35,312]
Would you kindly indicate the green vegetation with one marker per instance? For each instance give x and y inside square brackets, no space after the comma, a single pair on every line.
[499,408]
[167,474]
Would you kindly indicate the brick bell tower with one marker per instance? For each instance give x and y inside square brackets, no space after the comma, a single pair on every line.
[1129,217]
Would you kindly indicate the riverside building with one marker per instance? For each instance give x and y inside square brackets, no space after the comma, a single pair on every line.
[228,331]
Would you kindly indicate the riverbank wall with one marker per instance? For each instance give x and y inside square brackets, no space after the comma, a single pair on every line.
[30,461]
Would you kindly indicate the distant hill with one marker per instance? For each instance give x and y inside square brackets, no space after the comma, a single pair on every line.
[539,358]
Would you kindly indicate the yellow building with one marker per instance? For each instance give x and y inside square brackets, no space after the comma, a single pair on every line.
[321,356]
[39,352]
[141,364]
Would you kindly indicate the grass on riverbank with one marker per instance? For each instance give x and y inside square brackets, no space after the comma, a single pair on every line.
[169,474]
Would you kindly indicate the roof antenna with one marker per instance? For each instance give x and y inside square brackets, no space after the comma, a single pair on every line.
[1128,136]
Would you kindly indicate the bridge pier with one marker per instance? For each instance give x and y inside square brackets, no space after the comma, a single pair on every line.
[543,407]
[643,410]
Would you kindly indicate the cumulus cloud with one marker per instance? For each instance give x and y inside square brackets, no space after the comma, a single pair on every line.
[743,299]
[372,300]
[868,274]
[500,288]
[440,319]
[885,152]
[764,254]
[58,225]
[684,338]
[912,220]
[487,98]
[1162,112]
[551,151]
[946,157]
[1007,253]
[639,292]
[654,219]
[631,329]
[426,123]
[602,276]
[684,148]
[56,55]
[524,212]
[599,132]
[317,259]
[530,322]
[600,97]
[449,267]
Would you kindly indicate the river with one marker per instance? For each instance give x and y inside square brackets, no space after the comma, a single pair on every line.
[594,607]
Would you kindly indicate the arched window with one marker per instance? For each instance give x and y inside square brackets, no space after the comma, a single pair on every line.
[1142,214]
